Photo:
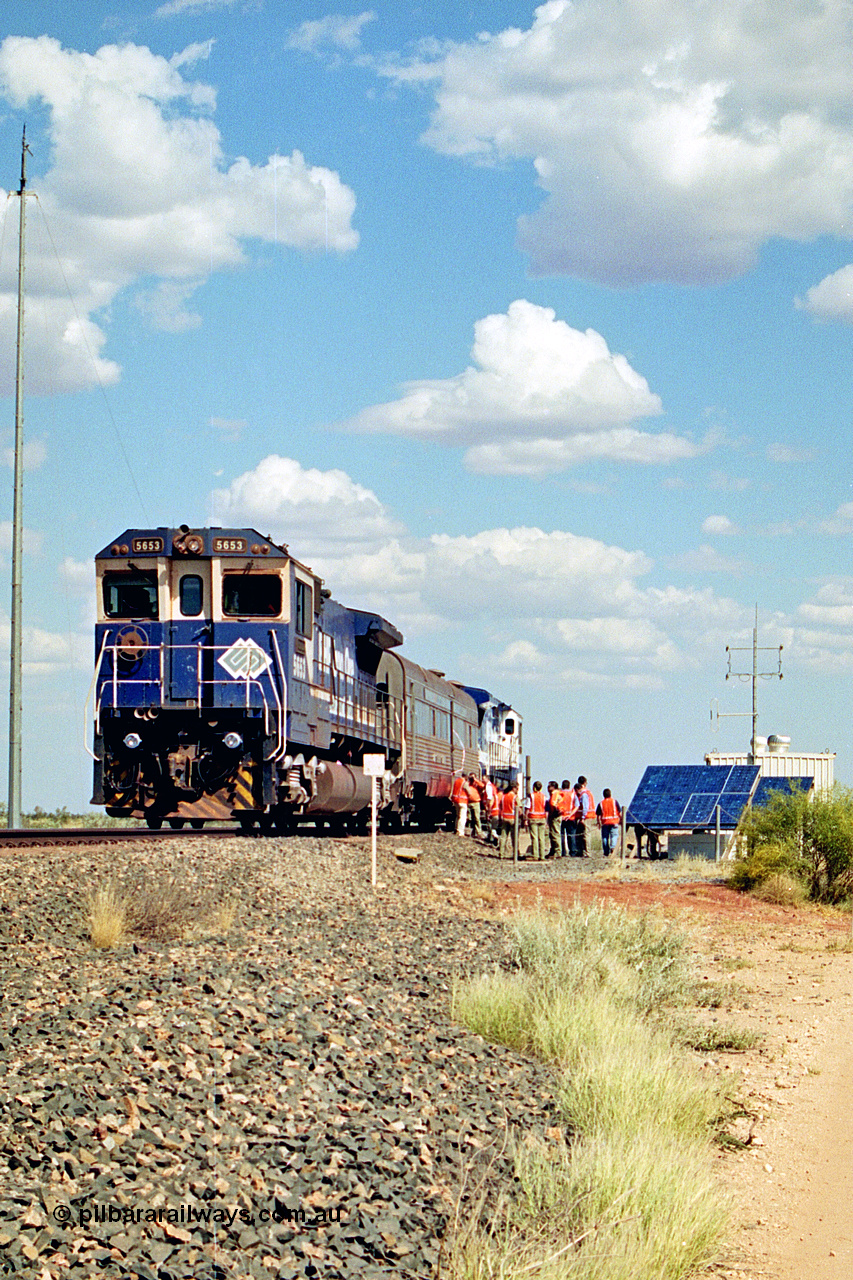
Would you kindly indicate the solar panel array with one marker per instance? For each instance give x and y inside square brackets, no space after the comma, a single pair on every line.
[767,786]
[687,795]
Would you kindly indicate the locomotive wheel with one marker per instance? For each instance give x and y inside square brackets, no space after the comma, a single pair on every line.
[154,821]
[177,824]
[196,823]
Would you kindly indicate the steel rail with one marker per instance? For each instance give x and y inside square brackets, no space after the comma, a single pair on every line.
[43,837]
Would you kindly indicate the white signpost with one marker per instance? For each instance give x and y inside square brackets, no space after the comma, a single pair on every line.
[373,767]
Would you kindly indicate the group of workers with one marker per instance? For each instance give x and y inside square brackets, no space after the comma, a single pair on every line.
[556,823]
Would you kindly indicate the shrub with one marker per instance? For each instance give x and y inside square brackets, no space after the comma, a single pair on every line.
[804,836]
[766,859]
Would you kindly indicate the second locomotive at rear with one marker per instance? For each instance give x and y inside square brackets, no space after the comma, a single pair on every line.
[230,685]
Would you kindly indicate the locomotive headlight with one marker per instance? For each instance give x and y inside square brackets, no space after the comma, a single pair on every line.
[233,741]
[132,741]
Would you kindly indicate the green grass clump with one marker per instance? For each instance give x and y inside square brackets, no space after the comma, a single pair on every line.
[634,1192]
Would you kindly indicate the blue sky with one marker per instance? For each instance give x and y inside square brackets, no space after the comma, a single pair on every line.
[528,326]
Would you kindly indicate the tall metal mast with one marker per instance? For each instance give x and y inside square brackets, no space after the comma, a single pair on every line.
[14,814]
[755,675]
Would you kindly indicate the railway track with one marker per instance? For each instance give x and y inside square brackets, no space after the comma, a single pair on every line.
[44,837]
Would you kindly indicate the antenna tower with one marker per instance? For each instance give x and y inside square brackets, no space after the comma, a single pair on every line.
[754,676]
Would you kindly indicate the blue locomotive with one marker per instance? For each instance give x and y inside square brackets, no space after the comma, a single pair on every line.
[230,685]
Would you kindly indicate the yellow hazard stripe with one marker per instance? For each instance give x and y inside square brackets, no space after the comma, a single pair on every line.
[243,784]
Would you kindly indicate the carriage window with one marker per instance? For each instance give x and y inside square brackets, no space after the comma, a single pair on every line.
[256,595]
[304,606]
[130,595]
[191,596]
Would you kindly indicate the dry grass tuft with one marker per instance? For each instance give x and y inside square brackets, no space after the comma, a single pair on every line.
[782,889]
[156,907]
[611,871]
[220,919]
[687,868]
[485,893]
[106,916]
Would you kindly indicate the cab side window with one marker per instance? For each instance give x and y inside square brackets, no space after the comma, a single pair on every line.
[304,609]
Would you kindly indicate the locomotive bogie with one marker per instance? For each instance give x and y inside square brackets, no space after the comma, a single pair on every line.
[230,686]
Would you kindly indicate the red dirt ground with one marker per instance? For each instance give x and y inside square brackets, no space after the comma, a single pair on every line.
[714,900]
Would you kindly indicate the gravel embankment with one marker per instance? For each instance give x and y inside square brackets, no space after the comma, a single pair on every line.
[303,1063]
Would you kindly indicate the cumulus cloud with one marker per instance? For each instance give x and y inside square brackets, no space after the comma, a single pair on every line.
[578,608]
[719,526]
[836,615]
[138,189]
[335,31]
[176,8]
[580,613]
[35,452]
[315,512]
[671,140]
[840,523]
[832,299]
[788,453]
[165,306]
[33,539]
[539,396]
[707,559]
[230,427]
[821,633]
[77,576]
[626,636]
[46,653]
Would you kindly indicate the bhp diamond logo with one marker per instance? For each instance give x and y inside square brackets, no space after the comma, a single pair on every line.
[244,660]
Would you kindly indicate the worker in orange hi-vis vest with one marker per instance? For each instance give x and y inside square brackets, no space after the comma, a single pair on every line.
[555,818]
[491,811]
[509,801]
[568,812]
[534,817]
[476,791]
[459,798]
[585,812]
[609,815]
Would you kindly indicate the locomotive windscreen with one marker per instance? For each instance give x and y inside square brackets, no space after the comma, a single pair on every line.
[252,594]
[130,595]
